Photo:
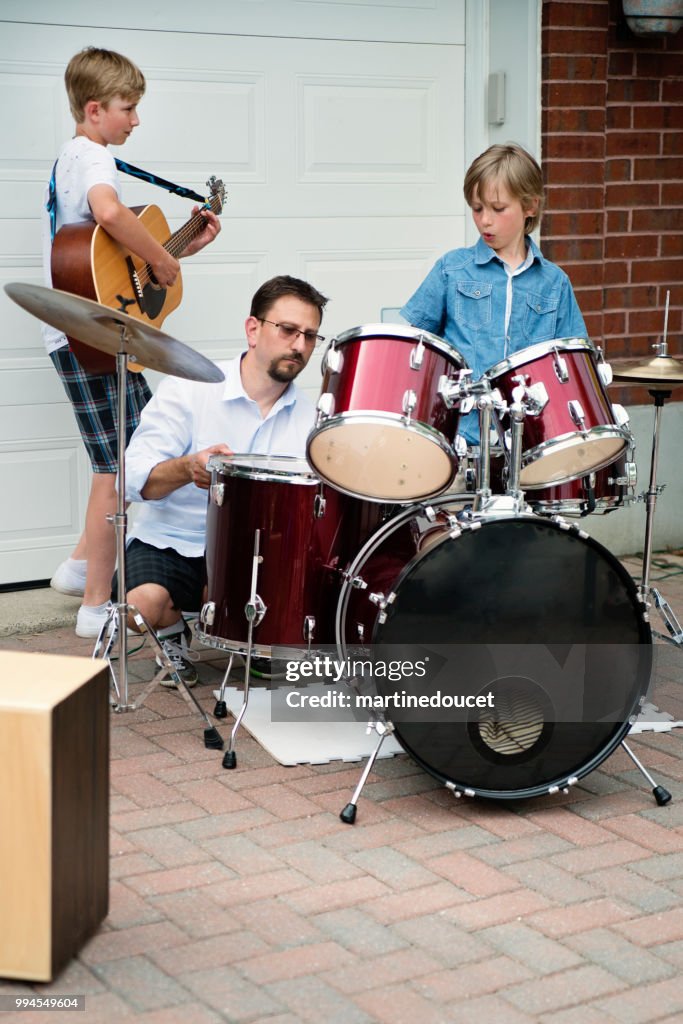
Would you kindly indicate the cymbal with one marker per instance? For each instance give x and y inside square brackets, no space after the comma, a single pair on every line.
[100,327]
[660,373]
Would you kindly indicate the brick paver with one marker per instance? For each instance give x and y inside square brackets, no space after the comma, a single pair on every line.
[239,896]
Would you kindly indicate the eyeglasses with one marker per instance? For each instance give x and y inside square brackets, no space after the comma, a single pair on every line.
[288,332]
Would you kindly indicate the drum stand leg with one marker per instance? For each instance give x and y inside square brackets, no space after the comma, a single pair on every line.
[675,630]
[221,708]
[254,612]
[348,815]
[661,795]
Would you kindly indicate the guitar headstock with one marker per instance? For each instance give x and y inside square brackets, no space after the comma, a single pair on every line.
[217,193]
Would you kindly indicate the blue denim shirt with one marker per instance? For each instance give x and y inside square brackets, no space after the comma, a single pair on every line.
[463,300]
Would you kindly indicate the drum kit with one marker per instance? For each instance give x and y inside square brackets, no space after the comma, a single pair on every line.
[393,535]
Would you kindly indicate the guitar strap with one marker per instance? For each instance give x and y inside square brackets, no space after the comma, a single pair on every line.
[135,172]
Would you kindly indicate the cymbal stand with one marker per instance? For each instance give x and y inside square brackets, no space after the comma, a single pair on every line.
[119,612]
[645,591]
[254,611]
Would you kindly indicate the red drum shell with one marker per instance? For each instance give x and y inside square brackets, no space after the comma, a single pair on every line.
[597,493]
[555,449]
[301,550]
[364,443]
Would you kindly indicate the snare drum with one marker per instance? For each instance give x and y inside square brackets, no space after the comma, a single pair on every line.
[307,536]
[384,431]
[575,430]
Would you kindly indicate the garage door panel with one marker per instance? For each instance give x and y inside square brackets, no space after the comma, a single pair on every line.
[413,20]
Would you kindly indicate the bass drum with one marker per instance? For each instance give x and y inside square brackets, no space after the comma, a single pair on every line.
[510,607]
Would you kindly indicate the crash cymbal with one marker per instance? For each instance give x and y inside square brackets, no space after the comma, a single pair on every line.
[100,327]
[661,372]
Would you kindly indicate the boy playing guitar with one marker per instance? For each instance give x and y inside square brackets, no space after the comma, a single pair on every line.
[104,89]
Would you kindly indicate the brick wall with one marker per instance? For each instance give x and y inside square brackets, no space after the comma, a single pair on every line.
[612,123]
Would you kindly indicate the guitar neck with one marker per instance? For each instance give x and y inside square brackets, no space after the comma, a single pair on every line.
[194,226]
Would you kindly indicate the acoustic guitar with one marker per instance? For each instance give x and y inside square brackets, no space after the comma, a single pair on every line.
[87,261]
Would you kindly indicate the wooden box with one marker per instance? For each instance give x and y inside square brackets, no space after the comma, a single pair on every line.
[54,810]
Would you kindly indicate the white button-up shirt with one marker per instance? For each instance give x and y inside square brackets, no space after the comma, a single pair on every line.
[187,416]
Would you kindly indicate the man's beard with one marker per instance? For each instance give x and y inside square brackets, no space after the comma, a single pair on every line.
[285,371]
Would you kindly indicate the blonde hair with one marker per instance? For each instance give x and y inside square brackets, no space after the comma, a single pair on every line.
[95,74]
[516,169]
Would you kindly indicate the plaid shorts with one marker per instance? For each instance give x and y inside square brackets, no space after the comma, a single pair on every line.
[184,578]
[95,404]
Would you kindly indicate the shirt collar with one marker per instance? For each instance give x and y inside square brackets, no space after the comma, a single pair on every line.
[483,253]
[233,388]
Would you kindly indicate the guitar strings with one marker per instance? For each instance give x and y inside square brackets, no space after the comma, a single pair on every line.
[180,238]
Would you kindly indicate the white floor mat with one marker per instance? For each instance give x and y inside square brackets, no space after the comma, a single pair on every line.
[651,719]
[300,742]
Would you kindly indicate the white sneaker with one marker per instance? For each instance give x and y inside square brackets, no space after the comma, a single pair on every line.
[90,619]
[69,577]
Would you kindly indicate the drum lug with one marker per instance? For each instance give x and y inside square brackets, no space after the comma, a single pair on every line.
[552,790]
[621,417]
[208,613]
[409,403]
[217,493]
[577,414]
[333,361]
[417,355]
[319,506]
[560,364]
[604,369]
[325,405]
[309,629]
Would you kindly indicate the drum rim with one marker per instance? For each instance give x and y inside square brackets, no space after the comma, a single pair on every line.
[535,454]
[537,351]
[403,332]
[229,466]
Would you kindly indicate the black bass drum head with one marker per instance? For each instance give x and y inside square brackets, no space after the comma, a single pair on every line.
[541,618]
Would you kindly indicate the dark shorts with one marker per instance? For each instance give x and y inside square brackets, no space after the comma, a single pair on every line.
[184,578]
[95,404]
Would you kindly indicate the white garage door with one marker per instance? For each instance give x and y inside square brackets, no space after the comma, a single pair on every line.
[338,128]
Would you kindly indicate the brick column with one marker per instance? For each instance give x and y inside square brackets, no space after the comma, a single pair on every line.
[574,99]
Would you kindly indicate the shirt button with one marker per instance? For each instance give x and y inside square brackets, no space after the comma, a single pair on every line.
[477,292]
[538,309]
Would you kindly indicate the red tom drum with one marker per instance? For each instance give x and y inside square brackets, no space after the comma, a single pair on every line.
[384,431]
[575,430]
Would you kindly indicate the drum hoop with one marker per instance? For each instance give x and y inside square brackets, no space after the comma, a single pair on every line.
[561,443]
[404,332]
[230,466]
[537,351]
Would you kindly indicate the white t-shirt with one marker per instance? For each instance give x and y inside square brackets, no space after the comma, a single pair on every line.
[81,164]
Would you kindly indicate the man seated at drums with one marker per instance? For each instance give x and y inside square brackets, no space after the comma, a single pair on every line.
[256,409]
[500,295]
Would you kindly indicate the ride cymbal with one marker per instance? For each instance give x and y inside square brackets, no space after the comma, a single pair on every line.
[660,372]
[112,332]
